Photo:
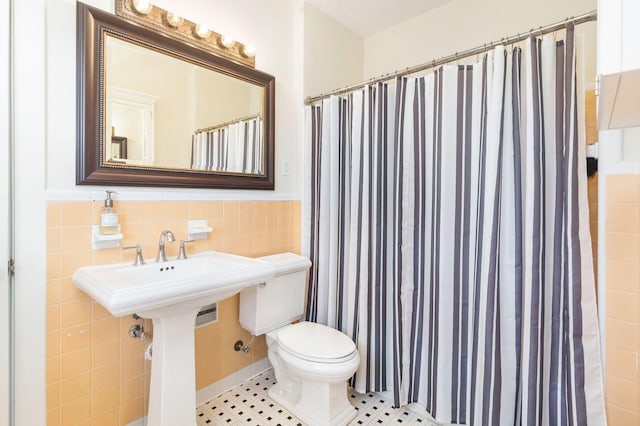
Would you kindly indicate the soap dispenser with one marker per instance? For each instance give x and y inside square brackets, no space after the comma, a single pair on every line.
[109,223]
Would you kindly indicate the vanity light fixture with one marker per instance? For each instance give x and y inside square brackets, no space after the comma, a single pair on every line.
[202,31]
[249,50]
[143,7]
[173,19]
[171,24]
[227,40]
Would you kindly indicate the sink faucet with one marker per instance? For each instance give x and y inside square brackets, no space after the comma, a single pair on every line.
[165,235]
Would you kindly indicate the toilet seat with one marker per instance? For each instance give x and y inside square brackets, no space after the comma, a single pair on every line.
[316,343]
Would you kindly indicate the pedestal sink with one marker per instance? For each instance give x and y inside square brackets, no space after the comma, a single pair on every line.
[171,294]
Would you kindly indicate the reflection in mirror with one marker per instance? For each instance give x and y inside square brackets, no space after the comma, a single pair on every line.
[154,110]
[178,115]
[118,149]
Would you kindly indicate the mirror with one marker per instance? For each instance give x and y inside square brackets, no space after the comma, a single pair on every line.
[157,111]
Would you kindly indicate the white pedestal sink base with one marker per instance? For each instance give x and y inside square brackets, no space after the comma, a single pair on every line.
[172,399]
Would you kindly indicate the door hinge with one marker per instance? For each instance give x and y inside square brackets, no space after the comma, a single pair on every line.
[11,268]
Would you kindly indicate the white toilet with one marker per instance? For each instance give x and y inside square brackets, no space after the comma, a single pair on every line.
[311,362]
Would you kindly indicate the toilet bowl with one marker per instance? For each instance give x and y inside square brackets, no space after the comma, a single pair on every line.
[311,361]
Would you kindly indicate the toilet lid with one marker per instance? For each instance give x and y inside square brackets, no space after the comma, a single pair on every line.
[316,341]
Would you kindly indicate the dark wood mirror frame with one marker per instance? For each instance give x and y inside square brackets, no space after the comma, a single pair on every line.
[92,24]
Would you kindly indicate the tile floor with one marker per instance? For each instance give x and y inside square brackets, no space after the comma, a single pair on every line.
[248,404]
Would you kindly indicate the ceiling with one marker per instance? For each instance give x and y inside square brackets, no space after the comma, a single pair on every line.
[366,17]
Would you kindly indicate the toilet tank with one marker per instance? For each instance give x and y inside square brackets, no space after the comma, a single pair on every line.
[278,302]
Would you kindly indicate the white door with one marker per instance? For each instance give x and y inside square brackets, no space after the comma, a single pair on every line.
[5,214]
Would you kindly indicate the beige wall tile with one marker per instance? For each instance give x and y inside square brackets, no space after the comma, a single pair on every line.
[622,364]
[617,416]
[53,317]
[69,292]
[622,189]
[178,211]
[622,393]
[623,276]
[53,395]
[75,238]
[70,261]
[622,217]
[53,240]
[620,335]
[623,247]
[53,369]
[53,292]
[74,363]
[106,376]
[197,210]
[53,417]
[106,353]
[157,211]
[131,211]
[75,387]
[74,313]
[106,256]
[53,266]
[105,400]
[133,233]
[119,375]
[106,330]
[53,343]
[53,214]
[131,411]
[74,338]
[75,214]
[623,305]
[77,411]
[109,418]
[132,389]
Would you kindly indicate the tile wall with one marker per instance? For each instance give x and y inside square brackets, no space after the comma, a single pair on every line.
[592,182]
[623,300]
[96,373]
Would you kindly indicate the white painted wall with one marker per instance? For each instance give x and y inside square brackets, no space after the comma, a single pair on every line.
[273,26]
[463,24]
[333,55]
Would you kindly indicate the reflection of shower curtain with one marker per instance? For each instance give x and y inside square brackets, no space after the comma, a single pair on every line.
[450,239]
[236,147]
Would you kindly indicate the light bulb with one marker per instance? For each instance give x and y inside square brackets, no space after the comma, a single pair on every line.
[202,31]
[227,40]
[143,7]
[249,51]
[173,19]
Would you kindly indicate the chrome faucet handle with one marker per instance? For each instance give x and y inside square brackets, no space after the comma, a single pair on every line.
[182,253]
[139,259]
[168,236]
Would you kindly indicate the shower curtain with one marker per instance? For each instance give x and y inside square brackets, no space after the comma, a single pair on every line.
[235,147]
[449,238]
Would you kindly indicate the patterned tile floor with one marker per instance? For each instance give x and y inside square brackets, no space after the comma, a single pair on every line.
[248,404]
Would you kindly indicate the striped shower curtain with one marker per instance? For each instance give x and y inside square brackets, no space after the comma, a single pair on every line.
[235,147]
[449,238]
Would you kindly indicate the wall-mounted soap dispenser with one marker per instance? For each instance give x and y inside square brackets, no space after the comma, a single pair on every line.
[109,217]
[107,233]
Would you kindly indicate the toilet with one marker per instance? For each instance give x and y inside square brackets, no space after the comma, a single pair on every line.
[311,362]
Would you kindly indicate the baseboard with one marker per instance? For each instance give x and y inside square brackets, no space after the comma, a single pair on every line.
[142,421]
[221,386]
[231,381]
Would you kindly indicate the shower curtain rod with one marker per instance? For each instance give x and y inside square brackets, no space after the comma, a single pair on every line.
[580,19]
